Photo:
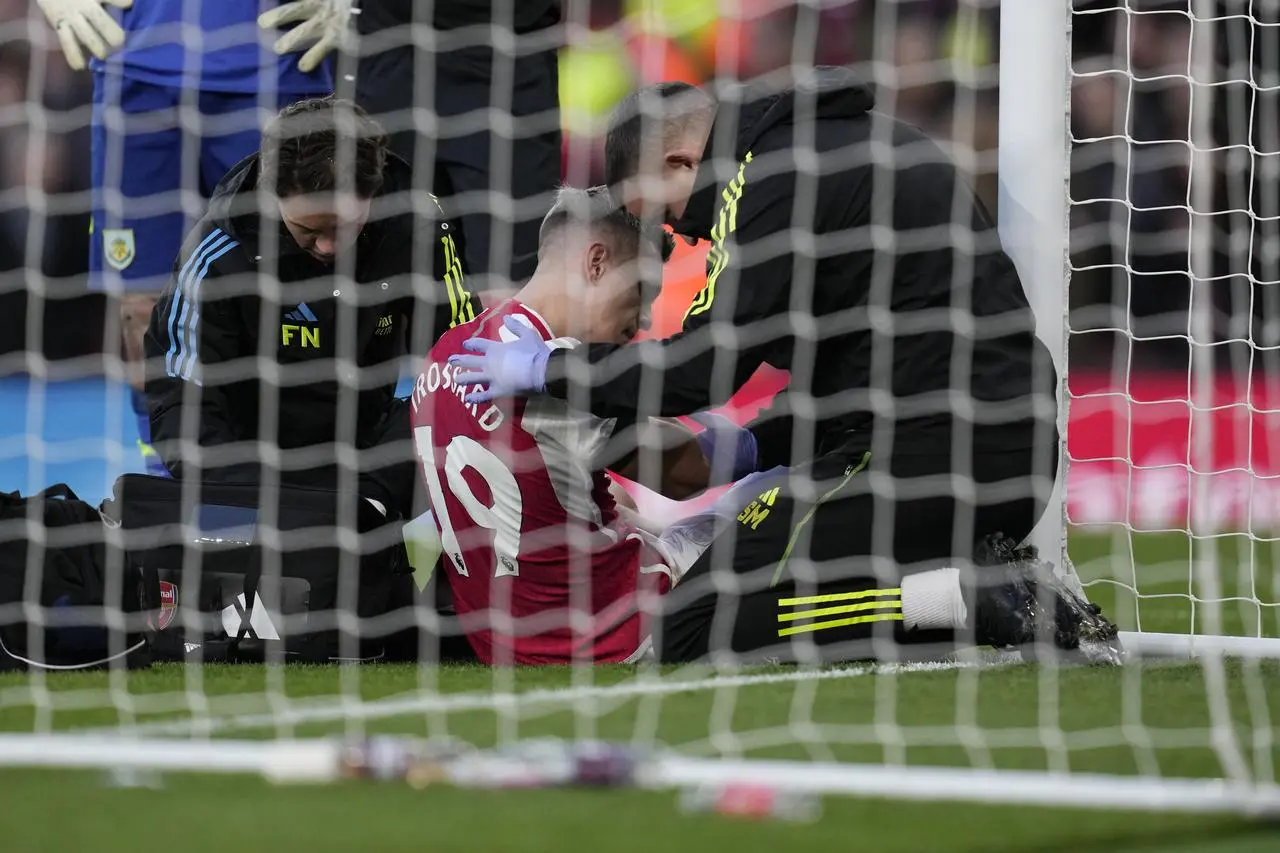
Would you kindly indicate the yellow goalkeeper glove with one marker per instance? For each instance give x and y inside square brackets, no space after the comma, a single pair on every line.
[323,25]
[84,23]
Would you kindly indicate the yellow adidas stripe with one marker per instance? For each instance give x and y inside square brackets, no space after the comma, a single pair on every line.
[447,242]
[839,596]
[702,299]
[728,224]
[459,299]
[840,623]
[836,611]
[464,303]
[731,194]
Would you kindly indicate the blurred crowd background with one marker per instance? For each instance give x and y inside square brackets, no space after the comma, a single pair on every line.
[932,62]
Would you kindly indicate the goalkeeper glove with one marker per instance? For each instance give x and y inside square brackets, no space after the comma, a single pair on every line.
[730,450]
[84,23]
[323,25]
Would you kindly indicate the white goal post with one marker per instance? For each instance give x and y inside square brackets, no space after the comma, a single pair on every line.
[1034,172]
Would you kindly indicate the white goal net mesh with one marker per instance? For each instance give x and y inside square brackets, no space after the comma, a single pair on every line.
[1173,207]
[1172,191]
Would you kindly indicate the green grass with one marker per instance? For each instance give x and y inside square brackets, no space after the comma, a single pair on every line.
[1149,581]
[55,812]
[1016,717]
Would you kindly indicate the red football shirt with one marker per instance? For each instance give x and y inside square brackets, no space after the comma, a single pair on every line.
[541,567]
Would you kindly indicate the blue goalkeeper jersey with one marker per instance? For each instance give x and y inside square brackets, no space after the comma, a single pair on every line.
[208,45]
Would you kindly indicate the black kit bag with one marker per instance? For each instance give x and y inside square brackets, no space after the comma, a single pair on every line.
[253,573]
[56,553]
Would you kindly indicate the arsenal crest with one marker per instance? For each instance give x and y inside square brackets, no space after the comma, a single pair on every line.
[168,605]
[118,249]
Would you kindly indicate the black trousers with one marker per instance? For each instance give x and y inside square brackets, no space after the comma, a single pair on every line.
[387,473]
[390,471]
[811,570]
[500,238]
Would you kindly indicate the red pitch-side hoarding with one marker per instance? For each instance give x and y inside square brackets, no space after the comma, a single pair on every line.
[1141,453]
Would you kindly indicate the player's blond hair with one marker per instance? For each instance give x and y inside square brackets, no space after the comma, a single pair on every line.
[594,208]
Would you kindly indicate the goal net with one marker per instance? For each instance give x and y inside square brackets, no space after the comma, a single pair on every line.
[1172,214]
[1130,150]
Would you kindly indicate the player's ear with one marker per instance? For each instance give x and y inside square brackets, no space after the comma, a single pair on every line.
[597,260]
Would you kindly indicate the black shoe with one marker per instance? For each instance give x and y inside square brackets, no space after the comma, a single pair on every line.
[1078,624]
[1058,613]
[1006,612]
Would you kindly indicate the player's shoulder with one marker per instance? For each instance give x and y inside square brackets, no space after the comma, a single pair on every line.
[450,343]
[492,323]
[529,317]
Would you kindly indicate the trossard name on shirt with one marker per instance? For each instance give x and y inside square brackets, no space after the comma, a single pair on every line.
[439,378]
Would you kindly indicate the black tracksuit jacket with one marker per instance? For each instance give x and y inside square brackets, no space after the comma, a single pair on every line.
[523,16]
[846,249]
[225,339]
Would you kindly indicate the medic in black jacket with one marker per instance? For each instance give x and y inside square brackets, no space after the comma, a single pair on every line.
[849,267]
[292,303]
[868,268]
[847,249]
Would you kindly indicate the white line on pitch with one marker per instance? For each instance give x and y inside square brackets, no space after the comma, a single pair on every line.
[330,709]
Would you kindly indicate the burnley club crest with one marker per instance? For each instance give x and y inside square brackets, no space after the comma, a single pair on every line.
[117,247]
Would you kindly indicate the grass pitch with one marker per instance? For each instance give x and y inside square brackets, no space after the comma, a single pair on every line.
[1139,719]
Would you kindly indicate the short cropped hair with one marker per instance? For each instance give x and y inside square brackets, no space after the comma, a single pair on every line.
[300,147]
[649,115]
[596,209]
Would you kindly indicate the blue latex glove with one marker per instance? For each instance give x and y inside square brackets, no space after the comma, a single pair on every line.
[506,368]
[729,449]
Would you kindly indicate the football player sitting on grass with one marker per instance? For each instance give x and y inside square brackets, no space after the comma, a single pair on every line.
[543,564]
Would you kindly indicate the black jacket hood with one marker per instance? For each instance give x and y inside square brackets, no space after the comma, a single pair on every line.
[233,207]
[747,113]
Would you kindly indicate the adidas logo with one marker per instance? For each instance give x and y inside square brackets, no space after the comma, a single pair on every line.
[301,314]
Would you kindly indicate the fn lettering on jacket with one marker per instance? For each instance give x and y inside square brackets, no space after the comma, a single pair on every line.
[292,335]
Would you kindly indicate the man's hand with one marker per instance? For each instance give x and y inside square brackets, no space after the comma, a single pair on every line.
[84,23]
[506,368]
[730,450]
[681,470]
[324,25]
